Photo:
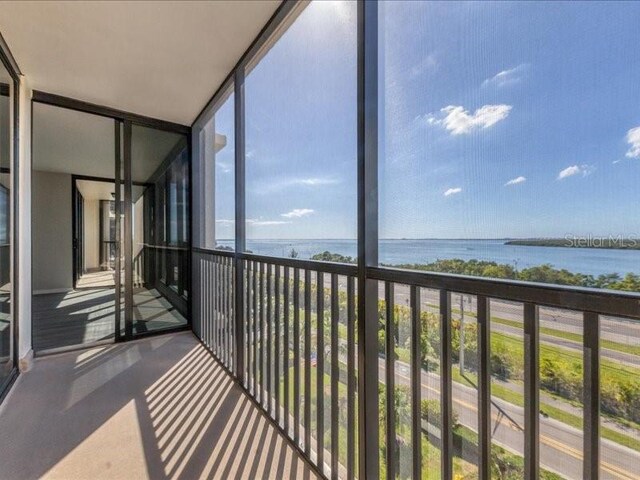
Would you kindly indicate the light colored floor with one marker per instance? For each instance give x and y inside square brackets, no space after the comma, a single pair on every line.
[158,408]
[100,279]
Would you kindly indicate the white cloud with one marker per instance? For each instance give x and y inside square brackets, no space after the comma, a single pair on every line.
[633,139]
[224,167]
[583,170]
[507,77]
[515,181]
[452,191]
[297,213]
[223,221]
[277,184]
[262,223]
[314,181]
[458,121]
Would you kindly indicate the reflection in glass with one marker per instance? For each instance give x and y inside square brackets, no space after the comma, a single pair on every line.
[6,328]
[160,229]
[216,212]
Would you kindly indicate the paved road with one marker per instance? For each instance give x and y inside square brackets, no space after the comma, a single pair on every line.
[615,329]
[560,444]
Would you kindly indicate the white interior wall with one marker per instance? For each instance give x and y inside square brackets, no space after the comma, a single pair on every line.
[91,234]
[52,239]
[138,226]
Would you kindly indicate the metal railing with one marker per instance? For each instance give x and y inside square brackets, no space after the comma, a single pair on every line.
[441,354]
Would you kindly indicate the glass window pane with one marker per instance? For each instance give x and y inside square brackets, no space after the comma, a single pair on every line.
[301,149]
[160,226]
[216,182]
[6,170]
[509,140]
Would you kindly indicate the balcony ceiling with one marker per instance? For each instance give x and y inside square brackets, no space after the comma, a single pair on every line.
[160,59]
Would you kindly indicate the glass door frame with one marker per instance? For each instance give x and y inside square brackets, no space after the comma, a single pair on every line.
[124,244]
[9,63]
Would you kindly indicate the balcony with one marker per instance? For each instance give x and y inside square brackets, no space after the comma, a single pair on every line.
[156,408]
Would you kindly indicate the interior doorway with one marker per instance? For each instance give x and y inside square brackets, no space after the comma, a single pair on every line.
[95,241]
[117,265]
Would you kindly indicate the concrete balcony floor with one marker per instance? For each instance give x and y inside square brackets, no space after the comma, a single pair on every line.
[159,408]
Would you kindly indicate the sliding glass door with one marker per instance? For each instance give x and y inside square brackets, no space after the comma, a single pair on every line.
[156,230]
[7,304]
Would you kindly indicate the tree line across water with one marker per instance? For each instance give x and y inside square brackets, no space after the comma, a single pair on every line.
[481,268]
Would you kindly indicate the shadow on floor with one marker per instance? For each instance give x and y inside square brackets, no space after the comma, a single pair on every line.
[159,408]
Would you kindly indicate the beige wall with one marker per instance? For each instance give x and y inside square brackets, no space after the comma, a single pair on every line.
[51,231]
[91,234]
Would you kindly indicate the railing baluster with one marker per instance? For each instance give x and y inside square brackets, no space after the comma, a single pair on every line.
[320,370]
[269,339]
[351,378]
[390,380]
[228,290]
[446,394]
[277,345]
[216,305]
[225,311]
[255,330]
[247,324]
[416,383]
[246,271]
[531,392]
[484,387]
[591,395]
[296,355]
[307,361]
[211,307]
[335,374]
[285,354]
[261,346]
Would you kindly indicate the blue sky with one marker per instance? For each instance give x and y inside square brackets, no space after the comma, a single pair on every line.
[497,120]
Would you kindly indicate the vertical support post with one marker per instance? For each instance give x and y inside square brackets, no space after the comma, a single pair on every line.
[128,235]
[446,391]
[240,226]
[531,392]
[484,387]
[591,395]
[118,220]
[416,383]
[368,239]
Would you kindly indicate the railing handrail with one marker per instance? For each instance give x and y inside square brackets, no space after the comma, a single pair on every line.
[601,301]
[314,265]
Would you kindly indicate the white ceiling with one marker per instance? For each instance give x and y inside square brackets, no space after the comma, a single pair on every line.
[92,190]
[163,59]
[66,141]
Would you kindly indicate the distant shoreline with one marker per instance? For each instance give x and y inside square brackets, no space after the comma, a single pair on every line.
[598,243]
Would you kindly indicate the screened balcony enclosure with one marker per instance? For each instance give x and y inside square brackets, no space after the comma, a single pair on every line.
[395,240]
